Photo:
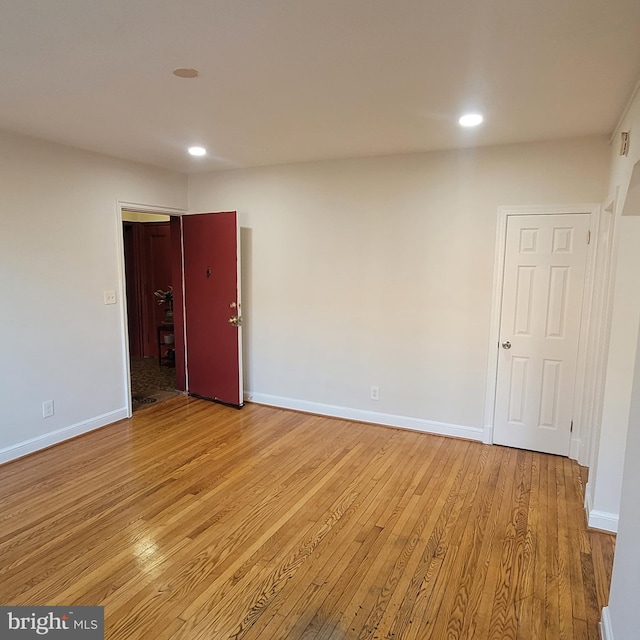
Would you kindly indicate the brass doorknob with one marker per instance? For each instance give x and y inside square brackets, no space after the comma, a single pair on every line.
[235,321]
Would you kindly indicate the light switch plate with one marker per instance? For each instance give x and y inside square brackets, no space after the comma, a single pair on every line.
[109,297]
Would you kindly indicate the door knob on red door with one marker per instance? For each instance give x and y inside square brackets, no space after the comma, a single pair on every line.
[235,321]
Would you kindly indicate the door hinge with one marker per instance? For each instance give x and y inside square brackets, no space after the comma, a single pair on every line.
[589,237]
[571,430]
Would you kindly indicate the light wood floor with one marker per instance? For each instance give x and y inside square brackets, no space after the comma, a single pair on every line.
[196,521]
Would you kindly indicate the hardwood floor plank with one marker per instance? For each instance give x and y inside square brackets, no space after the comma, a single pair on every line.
[530,605]
[592,606]
[351,535]
[348,603]
[409,542]
[574,525]
[214,578]
[564,556]
[456,613]
[99,552]
[436,539]
[602,547]
[269,593]
[492,547]
[196,521]
[510,572]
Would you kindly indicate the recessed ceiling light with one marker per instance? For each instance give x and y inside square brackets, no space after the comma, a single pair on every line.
[470,120]
[197,151]
[186,73]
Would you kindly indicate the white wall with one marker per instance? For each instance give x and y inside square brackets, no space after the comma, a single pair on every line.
[622,615]
[58,254]
[605,477]
[379,272]
[616,476]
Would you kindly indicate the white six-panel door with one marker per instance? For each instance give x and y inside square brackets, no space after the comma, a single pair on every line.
[544,271]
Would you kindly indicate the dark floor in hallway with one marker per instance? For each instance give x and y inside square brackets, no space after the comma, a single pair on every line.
[150,382]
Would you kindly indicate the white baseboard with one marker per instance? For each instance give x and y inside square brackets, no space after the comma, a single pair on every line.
[373,417]
[598,519]
[487,435]
[605,625]
[603,520]
[54,437]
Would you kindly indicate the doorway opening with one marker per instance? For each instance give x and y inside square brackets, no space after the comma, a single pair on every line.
[149,310]
[201,343]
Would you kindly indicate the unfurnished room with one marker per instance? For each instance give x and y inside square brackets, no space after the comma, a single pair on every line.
[321,319]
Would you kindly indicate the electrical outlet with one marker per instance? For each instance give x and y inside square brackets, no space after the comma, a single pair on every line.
[375,393]
[47,409]
[109,297]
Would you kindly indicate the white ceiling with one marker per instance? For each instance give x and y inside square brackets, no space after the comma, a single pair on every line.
[294,80]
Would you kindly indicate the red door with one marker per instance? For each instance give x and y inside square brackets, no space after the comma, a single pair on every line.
[212,307]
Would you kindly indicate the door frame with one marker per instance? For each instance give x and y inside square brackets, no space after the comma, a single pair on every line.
[586,347]
[122,285]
